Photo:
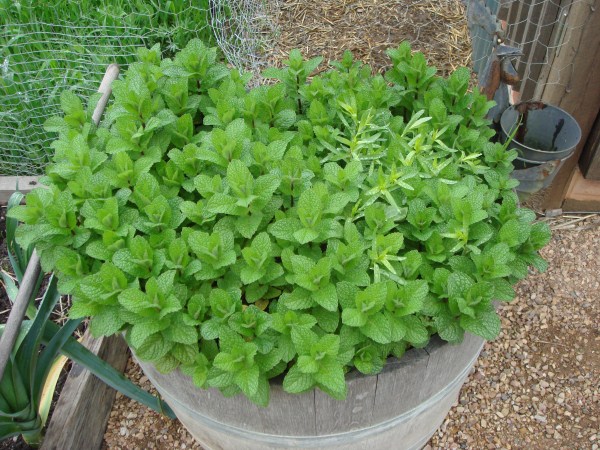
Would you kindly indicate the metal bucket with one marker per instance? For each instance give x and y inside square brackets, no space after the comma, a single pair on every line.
[534,176]
[542,132]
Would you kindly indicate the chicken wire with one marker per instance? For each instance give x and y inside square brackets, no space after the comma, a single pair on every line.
[245,31]
[47,47]
[542,29]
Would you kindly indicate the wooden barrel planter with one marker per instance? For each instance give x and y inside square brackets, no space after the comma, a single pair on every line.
[399,408]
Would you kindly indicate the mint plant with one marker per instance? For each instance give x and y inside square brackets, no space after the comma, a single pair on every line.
[296,229]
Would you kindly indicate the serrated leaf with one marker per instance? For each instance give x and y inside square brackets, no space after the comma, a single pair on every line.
[106,322]
[331,378]
[458,284]
[296,381]
[378,328]
[285,228]
[182,334]
[326,297]
[247,380]
[303,339]
[353,317]
[449,329]
[486,324]
[154,348]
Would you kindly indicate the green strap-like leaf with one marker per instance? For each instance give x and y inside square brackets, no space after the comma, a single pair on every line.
[49,353]
[31,343]
[108,374]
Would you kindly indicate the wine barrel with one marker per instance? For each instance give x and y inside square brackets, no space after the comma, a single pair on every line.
[400,408]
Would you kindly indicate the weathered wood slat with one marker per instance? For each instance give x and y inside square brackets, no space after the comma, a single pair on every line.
[81,414]
[305,421]
[541,51]
[8,185]
[357,411]
[528,45]
[399,408]
[443,364]
[556,34]
[578,89]
[583,194]
[516,19]
[391,384]
[590,158]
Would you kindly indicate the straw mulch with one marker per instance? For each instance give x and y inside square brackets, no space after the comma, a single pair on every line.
[369,27]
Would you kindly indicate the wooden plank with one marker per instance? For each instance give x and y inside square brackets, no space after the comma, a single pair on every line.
[579,90]
[209,405]
[511,17]
[8,185]
[81,414]
[531,46]
[517,26]
[398,382]
[555,40]
[590,157]
[445,363]
[285,409]
[528,41]
[583,195]
[504,9]
[357,412]
[540,52]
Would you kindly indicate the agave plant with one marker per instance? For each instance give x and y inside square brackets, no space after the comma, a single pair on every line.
[41,351]
[30,377]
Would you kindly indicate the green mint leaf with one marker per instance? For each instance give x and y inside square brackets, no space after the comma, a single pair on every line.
[182,334]
[378,328]
[487,324]
[296,381]
[331,379]
[353,317]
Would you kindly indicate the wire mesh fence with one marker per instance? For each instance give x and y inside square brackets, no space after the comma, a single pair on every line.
[542,29]
[53,45]
[244,30]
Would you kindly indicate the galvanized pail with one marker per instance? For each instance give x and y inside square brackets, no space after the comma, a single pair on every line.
[541,132]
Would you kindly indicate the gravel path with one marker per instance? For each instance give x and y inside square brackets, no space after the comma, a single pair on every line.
[535,387]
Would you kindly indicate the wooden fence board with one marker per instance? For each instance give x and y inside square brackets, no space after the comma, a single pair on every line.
[579,90]
[81,414]
[590,158]
[8,185]
[541,51]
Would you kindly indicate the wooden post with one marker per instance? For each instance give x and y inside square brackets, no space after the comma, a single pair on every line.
[541,49]
[80,417]
[590,159]
[574,84]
